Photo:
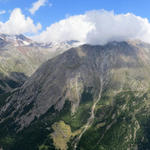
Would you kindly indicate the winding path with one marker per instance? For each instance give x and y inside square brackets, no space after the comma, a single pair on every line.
[91,118]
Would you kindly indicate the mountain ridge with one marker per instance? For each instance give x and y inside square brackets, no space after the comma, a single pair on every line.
[22,55]
[96,93]
[75,61]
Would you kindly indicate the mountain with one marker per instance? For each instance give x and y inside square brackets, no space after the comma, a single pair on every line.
[87,98]
[16,40]
[21,56]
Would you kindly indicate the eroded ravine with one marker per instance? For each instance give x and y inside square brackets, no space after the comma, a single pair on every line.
[91,118]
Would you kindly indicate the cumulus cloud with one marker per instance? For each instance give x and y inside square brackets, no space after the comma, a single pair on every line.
[19,24]
[110,27]
[36,5]
[72,28]
[98,27]
[2,12]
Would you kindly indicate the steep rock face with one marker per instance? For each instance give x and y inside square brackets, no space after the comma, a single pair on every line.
[68,75]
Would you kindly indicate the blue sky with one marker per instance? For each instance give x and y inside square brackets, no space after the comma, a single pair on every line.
[89,21]
[47,15]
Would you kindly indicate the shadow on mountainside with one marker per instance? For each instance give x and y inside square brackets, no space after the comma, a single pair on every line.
[14,80]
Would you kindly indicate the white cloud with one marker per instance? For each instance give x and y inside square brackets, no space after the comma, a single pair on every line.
[98,27]
[18,24]
[36,5]
[2,12]
[110,27]
[93,27]
[72,28]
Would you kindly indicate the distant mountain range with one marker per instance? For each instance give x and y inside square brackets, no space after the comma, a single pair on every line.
[16,40]
[21,55]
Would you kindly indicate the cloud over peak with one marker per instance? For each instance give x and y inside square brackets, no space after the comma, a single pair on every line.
[18,24]
[98,27]
[109,26]
[72,28]
[92,27]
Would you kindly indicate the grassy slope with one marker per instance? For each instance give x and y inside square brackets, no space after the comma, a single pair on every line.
[121,122]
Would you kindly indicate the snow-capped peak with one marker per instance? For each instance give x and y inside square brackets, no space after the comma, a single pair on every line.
[16,40]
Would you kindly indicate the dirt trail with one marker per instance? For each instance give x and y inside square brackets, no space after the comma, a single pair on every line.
[91,118]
